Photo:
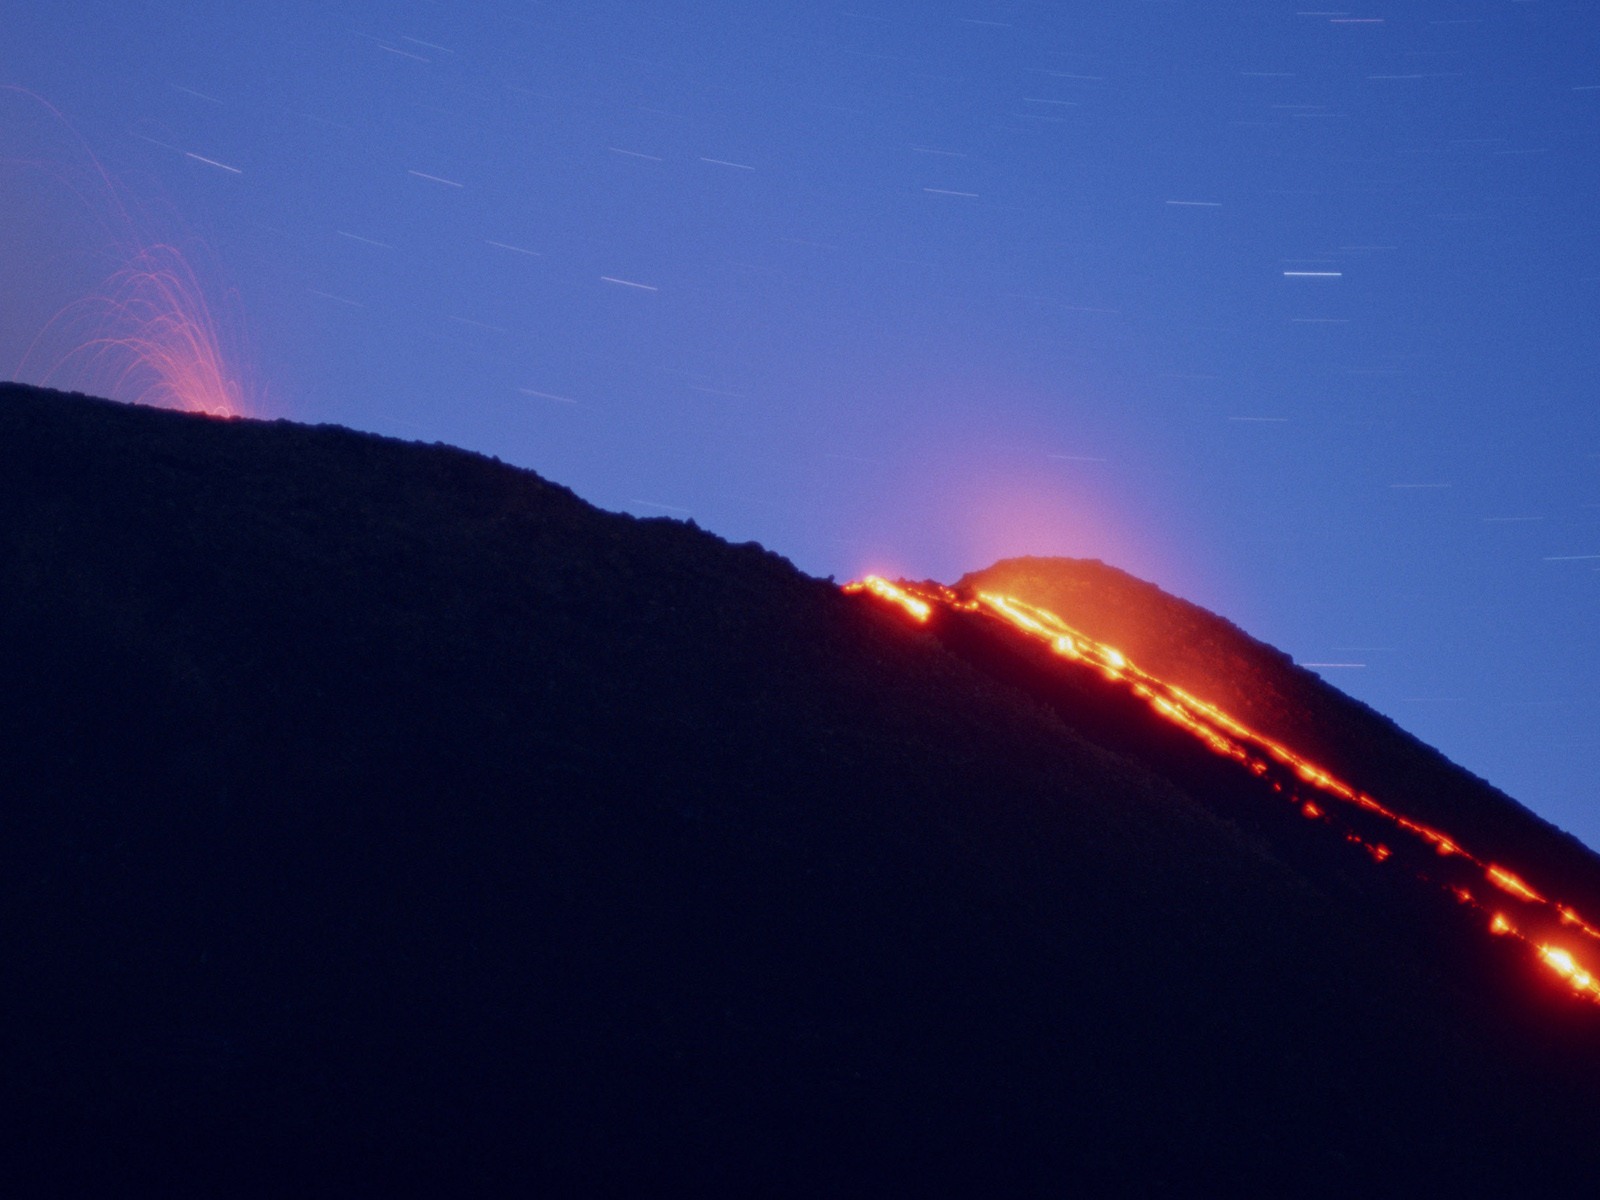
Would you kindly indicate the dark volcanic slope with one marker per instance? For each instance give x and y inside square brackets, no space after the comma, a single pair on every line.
[380,816]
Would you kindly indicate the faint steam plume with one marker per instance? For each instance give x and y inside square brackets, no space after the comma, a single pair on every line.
[147,333]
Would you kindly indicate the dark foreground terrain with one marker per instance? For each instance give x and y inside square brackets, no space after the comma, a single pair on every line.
[379,818]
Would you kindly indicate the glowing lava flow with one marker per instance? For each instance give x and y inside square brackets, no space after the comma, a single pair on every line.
[1261,756]
[919,609]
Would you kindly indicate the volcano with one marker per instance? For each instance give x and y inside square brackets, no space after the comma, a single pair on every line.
[379,816]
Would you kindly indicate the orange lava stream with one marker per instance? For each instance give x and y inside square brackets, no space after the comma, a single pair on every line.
[918,609]
[1254,751]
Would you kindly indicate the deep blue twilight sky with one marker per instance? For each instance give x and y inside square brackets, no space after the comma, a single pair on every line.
[1291,310]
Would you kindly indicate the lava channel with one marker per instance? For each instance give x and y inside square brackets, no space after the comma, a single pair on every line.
[1512,907]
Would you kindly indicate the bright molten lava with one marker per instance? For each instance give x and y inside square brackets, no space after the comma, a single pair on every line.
[1304,783]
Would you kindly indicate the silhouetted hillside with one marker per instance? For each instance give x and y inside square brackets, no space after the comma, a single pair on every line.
[379,817]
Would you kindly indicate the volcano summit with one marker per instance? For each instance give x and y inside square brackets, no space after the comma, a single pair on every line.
[381,816]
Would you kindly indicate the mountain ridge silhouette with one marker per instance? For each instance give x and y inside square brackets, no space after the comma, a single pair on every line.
[384,816]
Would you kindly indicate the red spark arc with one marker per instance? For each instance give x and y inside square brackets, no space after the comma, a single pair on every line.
[148,334]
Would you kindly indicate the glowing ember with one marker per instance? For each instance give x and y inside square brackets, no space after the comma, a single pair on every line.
[1260,755]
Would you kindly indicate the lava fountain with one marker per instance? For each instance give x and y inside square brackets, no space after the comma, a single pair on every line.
[147,333]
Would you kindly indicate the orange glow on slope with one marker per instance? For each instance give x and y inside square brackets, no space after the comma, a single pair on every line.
[1260,755]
